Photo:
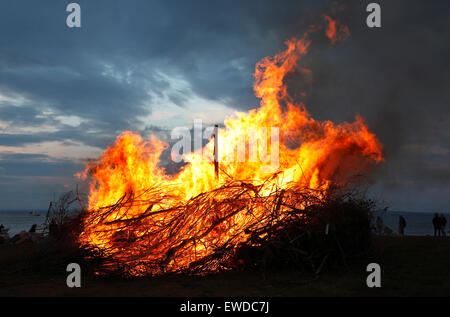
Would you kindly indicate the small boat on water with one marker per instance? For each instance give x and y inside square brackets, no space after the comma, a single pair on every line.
[34,213]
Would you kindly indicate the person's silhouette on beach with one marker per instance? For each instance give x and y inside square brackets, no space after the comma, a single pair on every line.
[33,228]
[53,228]
[443,224]
[379,225]
[401,225]
[437,225]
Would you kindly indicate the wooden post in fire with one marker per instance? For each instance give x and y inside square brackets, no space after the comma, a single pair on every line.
[216,151]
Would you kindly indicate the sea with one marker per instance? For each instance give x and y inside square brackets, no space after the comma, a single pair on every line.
[417,223]
[17,221]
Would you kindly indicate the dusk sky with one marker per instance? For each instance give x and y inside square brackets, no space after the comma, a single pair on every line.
[149,66]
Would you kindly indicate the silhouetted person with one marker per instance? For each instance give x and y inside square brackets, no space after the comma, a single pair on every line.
[53,228]
[437,225]
[401,225]
[33,228]
[380,225]
[443,224]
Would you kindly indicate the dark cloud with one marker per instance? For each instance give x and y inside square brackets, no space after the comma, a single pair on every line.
[21,115]
[396,77]
[36,165]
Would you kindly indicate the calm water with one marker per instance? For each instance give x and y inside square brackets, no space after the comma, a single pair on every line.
[417,223]
[17,221]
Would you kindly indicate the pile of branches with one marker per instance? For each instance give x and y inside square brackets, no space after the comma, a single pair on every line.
[237,226]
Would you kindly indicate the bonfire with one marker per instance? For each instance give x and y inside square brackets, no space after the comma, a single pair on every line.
[203,218]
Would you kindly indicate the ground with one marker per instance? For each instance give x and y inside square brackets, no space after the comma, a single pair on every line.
[411,266]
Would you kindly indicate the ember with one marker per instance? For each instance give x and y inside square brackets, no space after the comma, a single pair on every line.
[149,222]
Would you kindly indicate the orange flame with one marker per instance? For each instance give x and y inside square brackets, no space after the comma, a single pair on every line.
[335,31]
[312,154]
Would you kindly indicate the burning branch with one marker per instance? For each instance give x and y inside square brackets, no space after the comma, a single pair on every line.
[209,232]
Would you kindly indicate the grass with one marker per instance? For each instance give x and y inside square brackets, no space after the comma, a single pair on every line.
[411,266]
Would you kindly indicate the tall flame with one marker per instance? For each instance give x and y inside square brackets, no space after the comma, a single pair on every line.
[312,154]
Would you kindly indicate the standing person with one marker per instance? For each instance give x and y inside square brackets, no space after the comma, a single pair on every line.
[443,224]
[380,225]
[33,228]
[436,225]
[401,225]
[52,228]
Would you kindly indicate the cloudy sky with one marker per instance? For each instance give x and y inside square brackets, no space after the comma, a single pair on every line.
[65,94]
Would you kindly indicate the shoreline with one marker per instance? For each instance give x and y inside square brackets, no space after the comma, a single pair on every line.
[419,224]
